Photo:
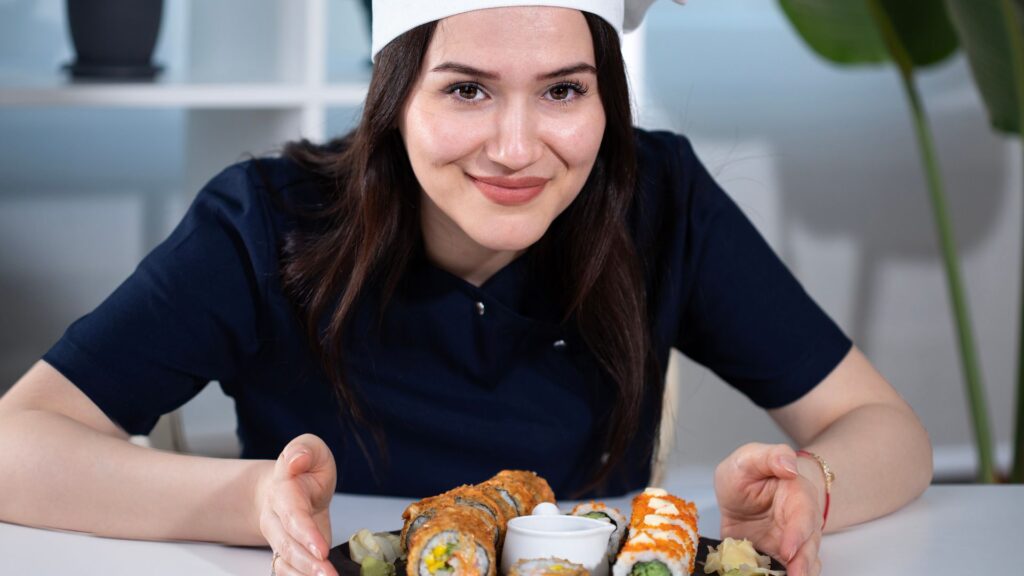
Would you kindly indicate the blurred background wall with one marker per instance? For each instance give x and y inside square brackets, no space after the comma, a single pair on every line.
[822,159]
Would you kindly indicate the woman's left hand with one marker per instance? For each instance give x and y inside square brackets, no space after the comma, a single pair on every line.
[763,497]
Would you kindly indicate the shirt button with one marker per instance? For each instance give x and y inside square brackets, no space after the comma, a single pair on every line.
[480,308]
[560,345]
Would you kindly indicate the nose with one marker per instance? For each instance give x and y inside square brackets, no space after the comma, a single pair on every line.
[516,141]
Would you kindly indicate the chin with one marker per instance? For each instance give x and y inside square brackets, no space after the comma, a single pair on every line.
[505,237]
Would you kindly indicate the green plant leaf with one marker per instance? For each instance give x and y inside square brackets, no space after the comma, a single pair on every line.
[924,28]
[839,31]
[844,31]
[987,32]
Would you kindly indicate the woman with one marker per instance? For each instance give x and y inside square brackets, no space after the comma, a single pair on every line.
[488,273]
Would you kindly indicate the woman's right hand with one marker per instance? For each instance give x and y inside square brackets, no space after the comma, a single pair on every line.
[293,500]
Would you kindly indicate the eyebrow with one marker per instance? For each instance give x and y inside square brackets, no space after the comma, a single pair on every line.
[471,71]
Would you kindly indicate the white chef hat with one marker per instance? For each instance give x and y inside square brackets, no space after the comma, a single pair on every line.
[392,18]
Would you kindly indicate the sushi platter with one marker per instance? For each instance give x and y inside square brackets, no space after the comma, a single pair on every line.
[343,563]
[510,525]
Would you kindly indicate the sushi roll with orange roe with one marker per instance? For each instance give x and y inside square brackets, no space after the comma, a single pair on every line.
[662,537]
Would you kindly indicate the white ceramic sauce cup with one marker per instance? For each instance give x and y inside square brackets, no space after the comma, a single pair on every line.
[547,534]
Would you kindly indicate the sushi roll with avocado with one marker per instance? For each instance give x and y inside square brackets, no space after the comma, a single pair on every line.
[599,511]
[546,567]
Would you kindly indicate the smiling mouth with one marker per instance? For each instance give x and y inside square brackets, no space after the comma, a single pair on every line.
[509,191]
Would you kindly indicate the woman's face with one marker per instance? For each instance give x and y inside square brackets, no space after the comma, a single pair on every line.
[502,128]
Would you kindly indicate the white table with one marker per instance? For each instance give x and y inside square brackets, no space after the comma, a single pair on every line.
[951,530]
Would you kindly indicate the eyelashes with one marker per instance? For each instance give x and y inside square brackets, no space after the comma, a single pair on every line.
[565,92]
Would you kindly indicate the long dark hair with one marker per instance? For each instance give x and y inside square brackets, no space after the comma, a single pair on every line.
[370,228]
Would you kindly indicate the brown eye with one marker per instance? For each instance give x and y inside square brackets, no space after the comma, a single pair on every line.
[468,91]
[560,92]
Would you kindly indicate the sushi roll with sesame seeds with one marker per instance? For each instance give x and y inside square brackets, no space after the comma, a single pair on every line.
[599,511]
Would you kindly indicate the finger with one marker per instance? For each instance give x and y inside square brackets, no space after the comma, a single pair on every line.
[294,460]
[755,462]
[293,510]
[296,466]
[805,562]
[766,461]
[309,457]
[292,553]
[282,568]
[313,445]
[323,524]
[798,531]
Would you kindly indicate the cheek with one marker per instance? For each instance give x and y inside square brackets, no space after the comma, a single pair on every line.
[435,139]
[577,139]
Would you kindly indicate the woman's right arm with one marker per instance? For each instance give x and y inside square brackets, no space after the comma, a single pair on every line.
[74,469]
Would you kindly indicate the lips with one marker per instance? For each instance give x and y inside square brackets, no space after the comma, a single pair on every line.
[509,191]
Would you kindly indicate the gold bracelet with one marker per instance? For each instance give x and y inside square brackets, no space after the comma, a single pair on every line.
[830,477]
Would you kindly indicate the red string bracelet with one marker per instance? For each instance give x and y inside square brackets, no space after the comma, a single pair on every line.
[829,478]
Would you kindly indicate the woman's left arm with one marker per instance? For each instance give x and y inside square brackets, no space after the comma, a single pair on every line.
[870,438]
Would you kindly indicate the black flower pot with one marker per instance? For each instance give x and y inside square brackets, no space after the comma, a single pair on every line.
[114,39]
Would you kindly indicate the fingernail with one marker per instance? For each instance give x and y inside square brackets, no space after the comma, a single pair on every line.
[315,552]
[320,572]
[789,464]
[297,455]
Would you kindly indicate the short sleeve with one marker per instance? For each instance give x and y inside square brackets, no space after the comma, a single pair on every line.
[745,316]
[186,316]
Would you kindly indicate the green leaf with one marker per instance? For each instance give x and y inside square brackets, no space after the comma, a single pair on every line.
[924,28]
[839,31]
[845,31]
[991,33]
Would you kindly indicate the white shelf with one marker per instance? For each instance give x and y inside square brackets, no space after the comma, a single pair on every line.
[233,96]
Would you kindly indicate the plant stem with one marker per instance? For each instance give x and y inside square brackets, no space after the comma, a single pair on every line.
[944,225]
[1017,474]
[1015,36]
[968,349]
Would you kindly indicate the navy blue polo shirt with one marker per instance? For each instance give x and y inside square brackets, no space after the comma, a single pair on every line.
[462,380]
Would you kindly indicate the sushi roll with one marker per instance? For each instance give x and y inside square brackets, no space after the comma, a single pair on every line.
[599,511]
[502,500]
[546,567]
[662,537]
[492,504]
[417,513]
[512,495]
[483,501]
[454,542]
[527,489]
